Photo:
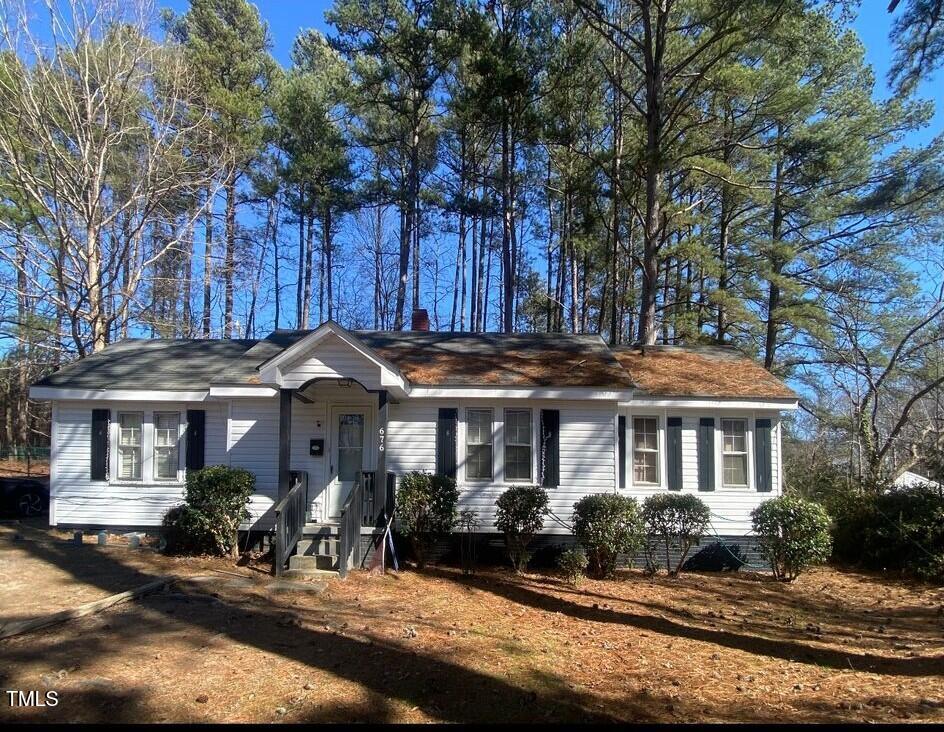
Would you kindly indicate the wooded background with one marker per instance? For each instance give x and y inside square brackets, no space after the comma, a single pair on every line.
[660,171]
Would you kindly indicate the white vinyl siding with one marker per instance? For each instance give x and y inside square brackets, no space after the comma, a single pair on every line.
[731,506]
[331,358]
[587,451]
[76,500]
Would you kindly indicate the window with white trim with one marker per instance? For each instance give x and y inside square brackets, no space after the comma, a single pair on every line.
[518,444]
[166,445]
[130,445]
[478,444]
[734,452]
[646,450]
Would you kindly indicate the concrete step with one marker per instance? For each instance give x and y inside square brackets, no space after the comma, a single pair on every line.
[321,530]
[311,562]
[319,545]
[297,574]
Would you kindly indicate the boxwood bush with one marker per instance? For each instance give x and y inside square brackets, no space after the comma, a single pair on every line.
[793,534]
[426,508]
[676,519]
[519,515]
[215,504]
[607,525]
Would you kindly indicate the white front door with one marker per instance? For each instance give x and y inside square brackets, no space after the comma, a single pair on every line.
[348,454]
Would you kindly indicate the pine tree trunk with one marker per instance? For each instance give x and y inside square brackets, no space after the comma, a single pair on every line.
[329,265]
[207,263]
[229,265]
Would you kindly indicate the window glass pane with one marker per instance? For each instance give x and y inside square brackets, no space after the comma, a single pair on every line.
[645,450]
[478,439]
[350,445]
[517,444]
[166,433]
[479,462]
[735,469]
[479,426]
[734,435]
[734,446]
[644,467]
[129,446]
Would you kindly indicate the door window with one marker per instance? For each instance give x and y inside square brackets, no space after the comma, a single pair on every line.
[350,445]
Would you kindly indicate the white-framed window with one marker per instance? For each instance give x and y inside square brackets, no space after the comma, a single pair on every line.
[646,450]
[166,445]
[518,444]
[734,452]
[130,445]
[478,444]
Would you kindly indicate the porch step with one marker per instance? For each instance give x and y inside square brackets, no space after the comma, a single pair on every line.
[313,530]
[324,546]
[313,562]
[310,573]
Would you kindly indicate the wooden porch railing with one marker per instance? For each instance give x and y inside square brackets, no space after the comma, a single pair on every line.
[290,515]
[349,529]
[377,507]
[363,507]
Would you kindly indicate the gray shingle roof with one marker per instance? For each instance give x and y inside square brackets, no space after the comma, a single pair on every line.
[430,358]
[184,365]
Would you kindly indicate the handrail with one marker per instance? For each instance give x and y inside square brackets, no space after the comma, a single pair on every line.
[290,514]
[349,530]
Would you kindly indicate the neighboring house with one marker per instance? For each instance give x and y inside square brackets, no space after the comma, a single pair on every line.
[339,406]
[909,480]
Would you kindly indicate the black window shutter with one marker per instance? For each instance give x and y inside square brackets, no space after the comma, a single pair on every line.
[762,466]
[99,457]
[446,442]
[673,448]
[196,441]
[550,448]
[706,454]
[621,441]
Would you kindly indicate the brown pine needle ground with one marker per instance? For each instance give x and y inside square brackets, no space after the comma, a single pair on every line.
[436,646]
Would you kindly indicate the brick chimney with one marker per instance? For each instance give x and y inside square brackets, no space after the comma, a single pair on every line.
[420,319]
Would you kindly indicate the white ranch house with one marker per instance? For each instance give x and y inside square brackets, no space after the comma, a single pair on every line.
[316,415]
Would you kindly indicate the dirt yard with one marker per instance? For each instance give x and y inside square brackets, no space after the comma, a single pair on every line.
[437,646]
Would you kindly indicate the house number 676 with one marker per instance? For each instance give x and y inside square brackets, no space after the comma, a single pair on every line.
[383,436]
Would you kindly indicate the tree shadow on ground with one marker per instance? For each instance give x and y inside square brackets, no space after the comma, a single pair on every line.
[784,649]
[444,689]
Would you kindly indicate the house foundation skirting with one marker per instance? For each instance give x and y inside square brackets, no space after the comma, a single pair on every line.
[713,552]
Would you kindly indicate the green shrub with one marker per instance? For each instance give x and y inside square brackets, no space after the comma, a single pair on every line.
[677,520]
[215,504]
[519,516]
[900,529]
[793,534]
[607,525]
[572,563]
[426,507]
